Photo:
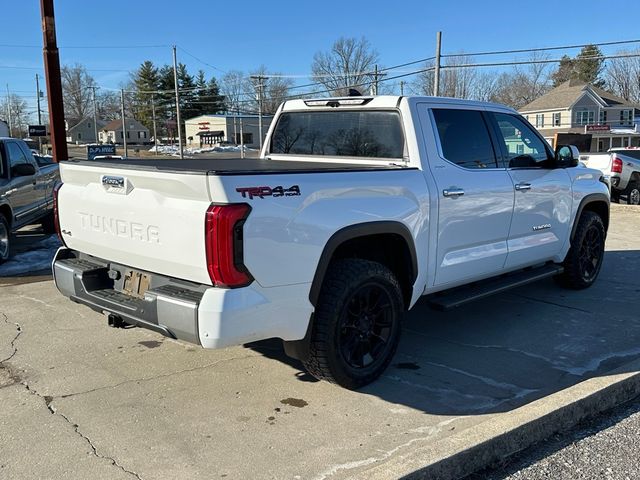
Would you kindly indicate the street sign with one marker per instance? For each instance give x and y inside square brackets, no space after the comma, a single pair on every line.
[95,150]
[37,130]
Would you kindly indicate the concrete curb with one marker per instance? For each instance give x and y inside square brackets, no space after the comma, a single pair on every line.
[472,449]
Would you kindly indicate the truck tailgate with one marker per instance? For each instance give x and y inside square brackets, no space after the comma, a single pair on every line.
[149,220]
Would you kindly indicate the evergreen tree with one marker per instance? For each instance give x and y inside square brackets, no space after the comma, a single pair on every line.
[589,64]
[145,80]
[207,99]
[586,67]
[564,71]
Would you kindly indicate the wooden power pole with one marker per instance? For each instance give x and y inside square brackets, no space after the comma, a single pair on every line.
[54,82]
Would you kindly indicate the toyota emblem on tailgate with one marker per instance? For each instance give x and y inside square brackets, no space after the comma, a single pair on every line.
[114,184]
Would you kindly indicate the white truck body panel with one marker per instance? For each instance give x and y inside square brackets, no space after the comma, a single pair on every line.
[145,228]
[158,226]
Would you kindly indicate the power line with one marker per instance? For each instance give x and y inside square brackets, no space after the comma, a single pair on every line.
[531,62]
[201,61]
[542,49]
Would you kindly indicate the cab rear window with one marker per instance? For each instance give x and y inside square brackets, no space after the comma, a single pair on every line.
[368,134]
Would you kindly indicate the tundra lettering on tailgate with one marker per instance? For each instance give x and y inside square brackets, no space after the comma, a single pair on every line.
[120,228]
[262,192]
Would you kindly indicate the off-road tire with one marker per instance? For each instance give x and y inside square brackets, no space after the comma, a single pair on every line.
[334,327]
[584,260]
[632,194]
[5,246]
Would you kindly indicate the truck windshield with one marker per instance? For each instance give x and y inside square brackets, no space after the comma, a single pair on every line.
[371,134]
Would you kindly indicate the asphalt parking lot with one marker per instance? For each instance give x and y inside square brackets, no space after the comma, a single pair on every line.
[82,400]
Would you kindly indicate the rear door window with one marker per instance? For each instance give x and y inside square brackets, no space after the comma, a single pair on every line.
[464,138]
[370,134]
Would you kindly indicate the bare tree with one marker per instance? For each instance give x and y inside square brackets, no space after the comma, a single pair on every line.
[485,86]
[623,76]
[232,86]
[523,85]
[423,84]
[76,91]
[19,115]
[456,80]
[108,104]
[275,90]
[349,63]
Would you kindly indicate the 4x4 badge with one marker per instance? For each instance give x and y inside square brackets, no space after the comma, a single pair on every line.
[262,192]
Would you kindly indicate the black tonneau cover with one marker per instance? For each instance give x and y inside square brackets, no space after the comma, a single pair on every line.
[234,166]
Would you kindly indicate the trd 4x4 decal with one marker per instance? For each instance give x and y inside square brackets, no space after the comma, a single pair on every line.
[262,192]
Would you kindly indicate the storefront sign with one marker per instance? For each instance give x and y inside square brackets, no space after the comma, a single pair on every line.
[597,128]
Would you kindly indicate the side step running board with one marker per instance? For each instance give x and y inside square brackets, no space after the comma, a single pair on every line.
[460,295]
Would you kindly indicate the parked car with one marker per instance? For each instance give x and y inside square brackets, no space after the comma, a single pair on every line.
[356,209]
[26,190]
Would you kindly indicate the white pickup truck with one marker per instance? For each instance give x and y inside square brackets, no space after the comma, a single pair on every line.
[356,208]
[621,168]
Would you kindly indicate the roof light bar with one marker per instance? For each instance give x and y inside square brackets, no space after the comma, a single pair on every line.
[335,102]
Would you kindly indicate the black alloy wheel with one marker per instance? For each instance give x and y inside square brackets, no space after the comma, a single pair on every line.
[584,259]
[591,253]
[366,326]
[356,323]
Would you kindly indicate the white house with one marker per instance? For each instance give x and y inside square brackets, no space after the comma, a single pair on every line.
[83,130]
[136,132]
[576,107]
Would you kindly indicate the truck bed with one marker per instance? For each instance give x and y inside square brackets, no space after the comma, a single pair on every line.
[234,166]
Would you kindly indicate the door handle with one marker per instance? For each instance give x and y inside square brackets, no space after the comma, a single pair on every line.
[453,192]
[523,186]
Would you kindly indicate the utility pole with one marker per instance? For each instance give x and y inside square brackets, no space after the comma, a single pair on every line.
[260,79]
[95,113]
[175,81]
[241,140]
[38,97]
[54,82]
[124,124]
[9,115]
[235,130]
[401,87]
[155,131]
[436,75]
[374,85]
[39,112]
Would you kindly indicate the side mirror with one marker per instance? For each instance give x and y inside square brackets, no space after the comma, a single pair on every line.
[23,170]
[567,156]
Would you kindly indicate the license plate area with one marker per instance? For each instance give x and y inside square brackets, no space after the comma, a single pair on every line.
[135,283]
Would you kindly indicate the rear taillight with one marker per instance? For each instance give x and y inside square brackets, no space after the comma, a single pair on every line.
[616,164]
[224,245]
[56,216]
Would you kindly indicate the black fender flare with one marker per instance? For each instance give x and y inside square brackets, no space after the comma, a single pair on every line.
[355,231]
[590,198]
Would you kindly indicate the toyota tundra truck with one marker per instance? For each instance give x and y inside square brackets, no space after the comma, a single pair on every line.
[356,208]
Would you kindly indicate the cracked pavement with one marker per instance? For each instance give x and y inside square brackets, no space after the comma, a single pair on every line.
[81,400]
